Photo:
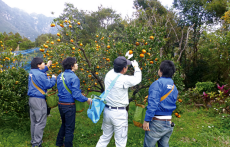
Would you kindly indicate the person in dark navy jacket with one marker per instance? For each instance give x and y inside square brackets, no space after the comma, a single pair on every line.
[66,104]
[157,123]
[37,87]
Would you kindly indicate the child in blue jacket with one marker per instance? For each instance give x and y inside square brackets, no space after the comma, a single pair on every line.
[38,83]
[161,103]
[67,99]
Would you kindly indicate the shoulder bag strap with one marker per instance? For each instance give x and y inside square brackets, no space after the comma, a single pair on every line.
[38,88]
[109,88]
[166,95]
[62,77]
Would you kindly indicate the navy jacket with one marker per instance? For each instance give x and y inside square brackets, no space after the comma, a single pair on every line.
[41,80]
[158,89]
[73,83]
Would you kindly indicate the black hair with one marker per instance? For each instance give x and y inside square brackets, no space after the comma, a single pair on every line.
[68,63]
[35,62]
[118,69]
[167,68]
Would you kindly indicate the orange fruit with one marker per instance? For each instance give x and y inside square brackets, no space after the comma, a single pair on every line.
[42,50]
[96,73]
[137,43]
[96,35]
[70,26]
[58,34]
[156,59]
[58,40]
[95,83]
[73,48]
[146,43]
[151,37]
[108,46]
[148,54]
[65,20]
[89,76]
[179,116]
[81,44]
[71,40]
[52,42]
[151,62]
[130,52]
[143,51]
[142,55]
[176,114]
[97,66]
[95,41]
[88,88]
[78,23]
[47,41]
[180,100]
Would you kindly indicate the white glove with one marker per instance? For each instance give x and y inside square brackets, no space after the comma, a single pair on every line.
[53,76]
[49,63]
[134,63]
[128,55]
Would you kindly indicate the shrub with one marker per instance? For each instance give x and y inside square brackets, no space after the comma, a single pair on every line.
[205,86]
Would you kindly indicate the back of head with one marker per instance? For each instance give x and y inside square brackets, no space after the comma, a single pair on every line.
[35,62]
[167,68]
[68,63]
[119,63]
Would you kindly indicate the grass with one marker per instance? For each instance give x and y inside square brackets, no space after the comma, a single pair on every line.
[194,128]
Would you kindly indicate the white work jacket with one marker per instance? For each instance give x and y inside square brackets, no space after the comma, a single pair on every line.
[118,96]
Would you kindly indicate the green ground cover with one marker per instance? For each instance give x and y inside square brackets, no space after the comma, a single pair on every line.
[196,127]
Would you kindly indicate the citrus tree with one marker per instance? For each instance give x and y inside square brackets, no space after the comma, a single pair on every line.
[96,58]
[13,93]
[13,85]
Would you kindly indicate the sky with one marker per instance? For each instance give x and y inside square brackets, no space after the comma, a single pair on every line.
[123,7]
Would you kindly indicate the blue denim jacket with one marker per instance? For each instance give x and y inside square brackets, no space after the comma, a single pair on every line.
[73,83]
[158,89]
[40,79]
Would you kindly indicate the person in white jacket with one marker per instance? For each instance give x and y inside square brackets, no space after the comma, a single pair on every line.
[115,116]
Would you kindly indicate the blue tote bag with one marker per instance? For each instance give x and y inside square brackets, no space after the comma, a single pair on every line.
[98,103]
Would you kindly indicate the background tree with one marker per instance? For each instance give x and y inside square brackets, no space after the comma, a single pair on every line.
[43,38]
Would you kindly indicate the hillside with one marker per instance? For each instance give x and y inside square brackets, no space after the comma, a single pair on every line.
[28,25]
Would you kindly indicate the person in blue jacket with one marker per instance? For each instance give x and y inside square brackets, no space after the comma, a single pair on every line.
[37,87]
[66,103]
[157,123]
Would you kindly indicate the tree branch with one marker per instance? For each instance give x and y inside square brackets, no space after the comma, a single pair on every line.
[188,31]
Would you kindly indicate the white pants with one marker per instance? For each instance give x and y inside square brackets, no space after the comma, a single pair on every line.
[114,121]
